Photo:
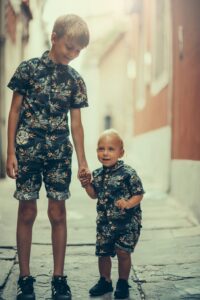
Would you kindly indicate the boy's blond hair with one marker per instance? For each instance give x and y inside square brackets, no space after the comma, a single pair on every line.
[114,133]
[73,27]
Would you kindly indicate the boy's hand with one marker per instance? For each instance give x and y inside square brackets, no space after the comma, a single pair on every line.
[122,204]
[12,166]
[84,176]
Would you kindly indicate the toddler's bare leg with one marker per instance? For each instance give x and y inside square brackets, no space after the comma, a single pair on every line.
[105,265]
[124,264]
[27,212]
[57,217]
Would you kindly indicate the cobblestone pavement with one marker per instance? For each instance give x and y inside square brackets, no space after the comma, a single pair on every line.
[166,263]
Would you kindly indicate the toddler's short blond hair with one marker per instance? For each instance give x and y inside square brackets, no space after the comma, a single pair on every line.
[114,133]
[74,27]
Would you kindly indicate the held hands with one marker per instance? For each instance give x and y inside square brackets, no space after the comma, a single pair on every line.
[123,204]
[84,176]
[12,166]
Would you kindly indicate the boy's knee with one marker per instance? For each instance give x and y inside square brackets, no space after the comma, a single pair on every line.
[27,213]
[57,215]
[122,254]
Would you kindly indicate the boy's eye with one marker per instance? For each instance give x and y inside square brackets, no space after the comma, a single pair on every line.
[111,149]
[100,149]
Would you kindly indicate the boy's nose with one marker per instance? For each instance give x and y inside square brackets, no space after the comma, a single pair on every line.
[105,152]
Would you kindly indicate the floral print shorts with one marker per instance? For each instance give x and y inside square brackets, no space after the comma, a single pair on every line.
[121,235]
[43,158]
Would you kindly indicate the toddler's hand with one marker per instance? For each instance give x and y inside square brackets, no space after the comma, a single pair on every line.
[122,204]
[84,177]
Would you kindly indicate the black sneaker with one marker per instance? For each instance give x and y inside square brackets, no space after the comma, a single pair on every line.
[60,288]
[102,287]
[122,289]
[25,290]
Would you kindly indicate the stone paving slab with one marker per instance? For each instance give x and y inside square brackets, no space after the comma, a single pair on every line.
[173,272]
[7,253]
[186,232]
[7,258]
[166,223]
[81,268]
[5,267]
[173,290]
[168,251]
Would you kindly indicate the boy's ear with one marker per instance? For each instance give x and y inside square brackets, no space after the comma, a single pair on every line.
[53,37]
[122,152]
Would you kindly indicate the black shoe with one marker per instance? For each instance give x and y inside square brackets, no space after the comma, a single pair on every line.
[60,288]
[122,289]
[25,290]
[102,287]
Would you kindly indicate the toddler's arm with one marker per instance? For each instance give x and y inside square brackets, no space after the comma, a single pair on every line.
[90,191]
[130,203]
[85,179]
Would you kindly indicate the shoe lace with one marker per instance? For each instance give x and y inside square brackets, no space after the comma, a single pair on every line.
[61,285]
[26,284]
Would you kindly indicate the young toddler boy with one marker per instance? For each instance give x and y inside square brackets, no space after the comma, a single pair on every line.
[119,191]
[45,89]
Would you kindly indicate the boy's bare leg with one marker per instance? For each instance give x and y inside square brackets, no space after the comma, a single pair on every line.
[27,212]
[57,217]
[105,265]
[124,264]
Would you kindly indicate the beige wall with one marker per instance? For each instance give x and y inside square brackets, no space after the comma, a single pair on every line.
[116,87]
[186,74]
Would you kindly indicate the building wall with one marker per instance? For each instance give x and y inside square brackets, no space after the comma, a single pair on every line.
[186,70]
[185,172]
[151,142]
[116,87]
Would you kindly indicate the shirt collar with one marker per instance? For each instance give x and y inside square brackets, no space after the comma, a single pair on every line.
[117,166]
[48,62]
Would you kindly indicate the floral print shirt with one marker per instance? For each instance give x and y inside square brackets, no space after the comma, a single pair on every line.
[112,184]
[49,91]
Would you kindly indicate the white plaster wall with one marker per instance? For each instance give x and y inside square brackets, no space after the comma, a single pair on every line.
[37,32]
[150,155]
[91,116]
[185,184]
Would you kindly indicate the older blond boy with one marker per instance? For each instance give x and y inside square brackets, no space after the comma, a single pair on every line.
[44,91]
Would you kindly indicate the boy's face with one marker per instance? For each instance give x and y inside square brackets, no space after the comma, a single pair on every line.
[64,49]
[109,150]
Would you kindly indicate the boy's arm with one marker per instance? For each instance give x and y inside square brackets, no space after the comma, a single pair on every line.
[78,139]
[11,165]
[90,191]
[130,203]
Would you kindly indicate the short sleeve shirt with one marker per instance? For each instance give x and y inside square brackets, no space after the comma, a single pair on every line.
[112,184]
[49,91]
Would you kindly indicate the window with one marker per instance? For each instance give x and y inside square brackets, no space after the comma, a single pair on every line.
[107,122]
[161,47]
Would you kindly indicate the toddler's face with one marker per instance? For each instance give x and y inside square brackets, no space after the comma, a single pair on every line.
[109,150]
[65,49]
